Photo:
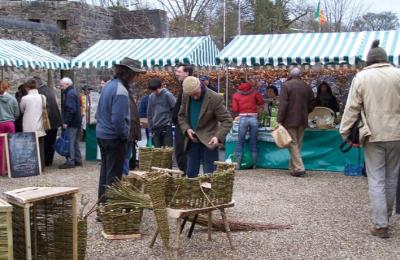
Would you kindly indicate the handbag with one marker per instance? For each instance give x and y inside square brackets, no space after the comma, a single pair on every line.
[45,116]
[61,146]
[281,136]
[354,137]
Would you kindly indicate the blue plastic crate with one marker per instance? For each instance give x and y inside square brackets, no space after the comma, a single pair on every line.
[353,170]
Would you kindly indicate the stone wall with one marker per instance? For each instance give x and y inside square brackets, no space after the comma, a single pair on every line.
[69,28]
[43,35]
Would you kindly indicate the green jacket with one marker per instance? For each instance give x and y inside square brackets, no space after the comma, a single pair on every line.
[9,110]
[214,119]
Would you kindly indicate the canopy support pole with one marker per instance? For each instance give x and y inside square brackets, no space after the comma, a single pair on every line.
[219,81]
[227,86]
[2,73]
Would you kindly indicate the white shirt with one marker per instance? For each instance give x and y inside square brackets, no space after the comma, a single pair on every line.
[32,107]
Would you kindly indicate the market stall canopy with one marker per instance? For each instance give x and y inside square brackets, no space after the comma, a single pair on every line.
[307,48]
[200,51]
[294,48]
[22,54]
[389,41]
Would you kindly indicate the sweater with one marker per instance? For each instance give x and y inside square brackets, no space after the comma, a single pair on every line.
[246,100]
[159,109]
[113,113]
[9,110]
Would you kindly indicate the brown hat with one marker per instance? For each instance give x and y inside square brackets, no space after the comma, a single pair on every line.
[190,85]
[133,65]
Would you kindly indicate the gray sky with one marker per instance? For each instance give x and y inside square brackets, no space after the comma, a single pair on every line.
[384,5]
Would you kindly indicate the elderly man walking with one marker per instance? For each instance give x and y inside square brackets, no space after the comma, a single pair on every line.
[113,123]
[72,122]
[205,121]
[374,97]
[295,102]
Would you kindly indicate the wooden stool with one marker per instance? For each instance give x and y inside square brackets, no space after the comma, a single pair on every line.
[41,214]
[180,214]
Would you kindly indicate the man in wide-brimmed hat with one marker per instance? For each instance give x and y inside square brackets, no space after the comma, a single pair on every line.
[374,97]
[114,122]
[205,121]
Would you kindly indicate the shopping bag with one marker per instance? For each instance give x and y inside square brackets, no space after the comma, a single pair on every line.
[356,169]
[61,146]
[281,136]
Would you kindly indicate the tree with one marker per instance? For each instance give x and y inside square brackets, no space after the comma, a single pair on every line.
[187,16]
[376,22]
[341,14]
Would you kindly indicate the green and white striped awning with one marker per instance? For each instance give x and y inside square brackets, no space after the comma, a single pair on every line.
[200,51]
[389,41]
[295,48]
[22,54]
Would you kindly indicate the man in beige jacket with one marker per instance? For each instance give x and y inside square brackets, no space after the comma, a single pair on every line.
[375,91]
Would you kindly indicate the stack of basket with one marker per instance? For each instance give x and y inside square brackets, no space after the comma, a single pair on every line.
[157,157]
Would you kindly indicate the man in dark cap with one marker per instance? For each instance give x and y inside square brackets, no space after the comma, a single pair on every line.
[374,97]
[113,122]
[206,81]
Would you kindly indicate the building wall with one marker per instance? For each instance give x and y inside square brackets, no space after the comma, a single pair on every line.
[72,27]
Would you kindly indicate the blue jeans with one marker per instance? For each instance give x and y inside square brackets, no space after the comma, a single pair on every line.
[127,158]
[197,153]
[74,150]
[247,123]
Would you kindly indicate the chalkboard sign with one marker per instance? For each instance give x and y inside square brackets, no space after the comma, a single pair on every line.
[23,155]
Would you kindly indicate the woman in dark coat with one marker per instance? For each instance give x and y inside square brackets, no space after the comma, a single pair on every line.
[325,97]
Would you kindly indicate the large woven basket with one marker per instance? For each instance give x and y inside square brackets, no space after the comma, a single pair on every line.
[157,157]
[145,158]
[119,220]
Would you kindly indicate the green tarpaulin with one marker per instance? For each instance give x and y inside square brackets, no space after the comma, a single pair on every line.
[320,152]
[91,143]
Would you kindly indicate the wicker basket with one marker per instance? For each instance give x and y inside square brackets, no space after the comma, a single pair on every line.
[162,157]
[117,220]
[225,166]
[200,192]
[145,158]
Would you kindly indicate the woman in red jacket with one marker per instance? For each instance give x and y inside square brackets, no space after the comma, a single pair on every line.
[246,102]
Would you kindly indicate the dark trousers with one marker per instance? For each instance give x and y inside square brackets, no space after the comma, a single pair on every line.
[41,151]
[49,140]
[162,136]
[132,161]
[197,153]
[398,197]
[180,155]
[113,153]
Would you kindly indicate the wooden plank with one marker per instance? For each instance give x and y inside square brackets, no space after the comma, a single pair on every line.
[7,154]
[5,206]
[32,194]
[181,213]
[28,241]
[138,175]
[121,237]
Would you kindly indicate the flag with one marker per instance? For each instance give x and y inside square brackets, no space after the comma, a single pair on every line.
[319,15]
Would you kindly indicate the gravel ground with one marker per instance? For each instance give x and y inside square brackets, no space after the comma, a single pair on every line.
[329,213]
